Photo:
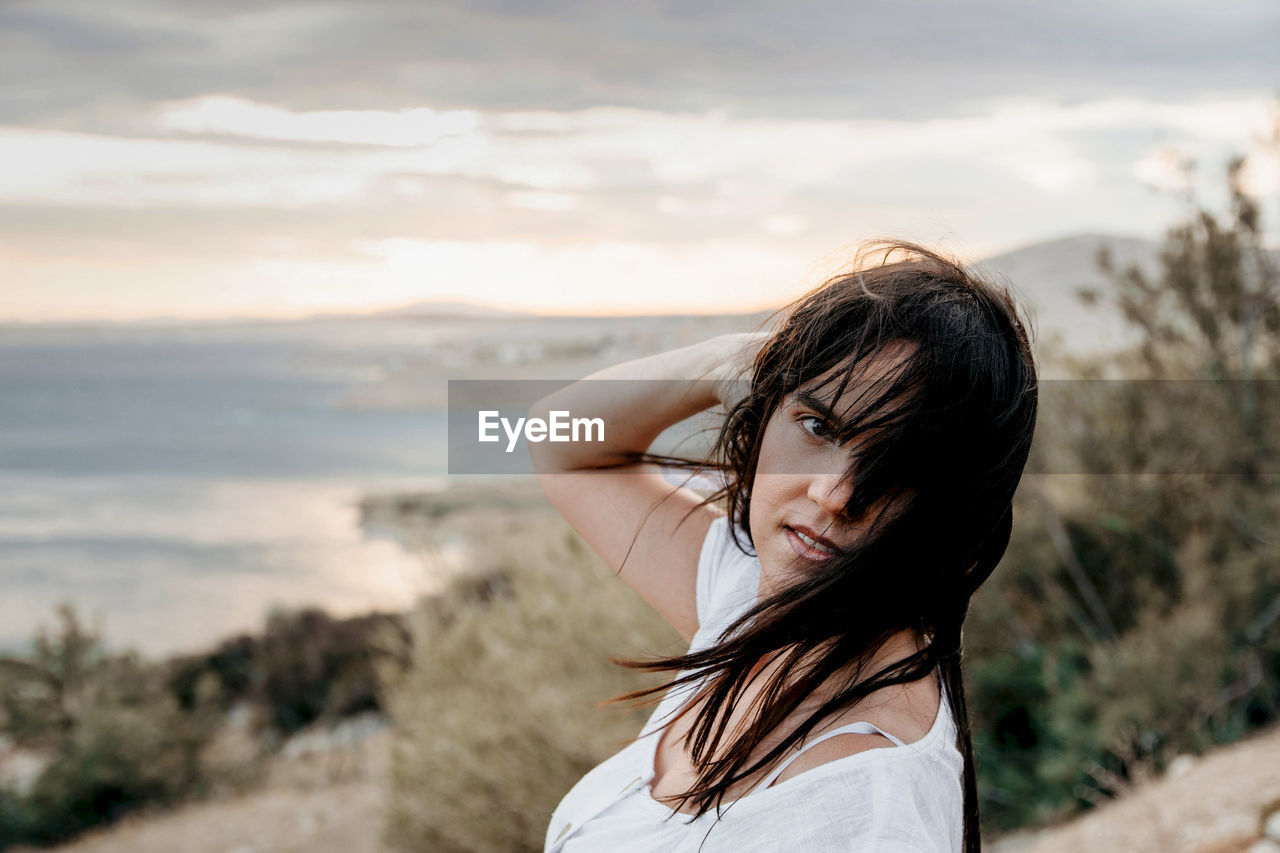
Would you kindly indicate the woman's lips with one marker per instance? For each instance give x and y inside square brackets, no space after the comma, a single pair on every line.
[817,549]
[815,537]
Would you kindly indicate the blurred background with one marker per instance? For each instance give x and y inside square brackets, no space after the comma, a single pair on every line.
[245,245]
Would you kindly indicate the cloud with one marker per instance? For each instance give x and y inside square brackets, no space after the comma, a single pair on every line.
[1166,169]
[78,64]
[230,174]
[216,156]
[405,128]
[273,144]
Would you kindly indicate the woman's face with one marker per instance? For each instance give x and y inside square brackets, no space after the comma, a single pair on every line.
[798,497]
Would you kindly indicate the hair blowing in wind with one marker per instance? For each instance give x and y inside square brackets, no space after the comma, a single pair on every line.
[939,441]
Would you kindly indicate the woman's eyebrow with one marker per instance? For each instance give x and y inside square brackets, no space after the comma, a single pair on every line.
[812,401]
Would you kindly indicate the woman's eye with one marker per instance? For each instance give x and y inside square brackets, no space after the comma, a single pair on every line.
[815,426]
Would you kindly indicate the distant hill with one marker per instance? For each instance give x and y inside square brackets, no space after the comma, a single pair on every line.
[1049,275]
[452,309]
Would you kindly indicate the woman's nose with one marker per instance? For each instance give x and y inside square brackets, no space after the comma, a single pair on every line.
[831,492]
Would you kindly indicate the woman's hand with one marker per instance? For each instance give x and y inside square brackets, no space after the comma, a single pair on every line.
[646,529]
[661,390]
[733,376]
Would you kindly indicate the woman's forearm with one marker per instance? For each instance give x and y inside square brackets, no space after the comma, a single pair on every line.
[645,396]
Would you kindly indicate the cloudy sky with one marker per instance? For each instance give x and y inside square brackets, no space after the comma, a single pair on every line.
[202,158]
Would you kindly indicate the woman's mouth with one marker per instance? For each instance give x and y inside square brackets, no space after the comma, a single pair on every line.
[809,545]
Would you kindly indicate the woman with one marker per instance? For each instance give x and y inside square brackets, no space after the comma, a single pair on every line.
[870,463]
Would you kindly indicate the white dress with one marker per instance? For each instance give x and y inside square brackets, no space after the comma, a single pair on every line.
[905,798]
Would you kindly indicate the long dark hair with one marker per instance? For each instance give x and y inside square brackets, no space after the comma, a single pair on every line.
[947,431]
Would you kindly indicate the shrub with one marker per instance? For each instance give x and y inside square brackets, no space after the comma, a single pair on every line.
[118,758]
[498,712]
[306,666]
[113,735]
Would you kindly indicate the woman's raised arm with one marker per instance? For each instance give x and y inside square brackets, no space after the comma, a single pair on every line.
[628,513]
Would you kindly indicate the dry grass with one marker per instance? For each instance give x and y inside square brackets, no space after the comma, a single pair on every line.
[498,715]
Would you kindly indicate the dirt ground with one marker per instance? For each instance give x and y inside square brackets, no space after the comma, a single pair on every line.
[338,818]
[1214,806]
[319,799]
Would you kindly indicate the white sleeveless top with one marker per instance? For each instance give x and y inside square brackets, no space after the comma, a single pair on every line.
[905,798]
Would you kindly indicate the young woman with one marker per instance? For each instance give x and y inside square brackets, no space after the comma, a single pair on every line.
[870,454]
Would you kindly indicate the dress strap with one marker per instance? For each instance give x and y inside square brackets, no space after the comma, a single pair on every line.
[858,728]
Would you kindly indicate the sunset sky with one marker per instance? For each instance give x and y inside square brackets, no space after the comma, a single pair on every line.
[207,159]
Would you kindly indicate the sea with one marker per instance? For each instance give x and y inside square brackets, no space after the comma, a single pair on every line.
[176,483]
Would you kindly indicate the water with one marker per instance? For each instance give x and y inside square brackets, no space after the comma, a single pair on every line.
[178,483]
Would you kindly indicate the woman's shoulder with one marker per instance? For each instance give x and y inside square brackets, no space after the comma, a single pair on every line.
[728,576]
[834,749]
[900,739]
[902,715]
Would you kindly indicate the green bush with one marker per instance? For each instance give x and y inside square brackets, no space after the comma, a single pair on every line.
[114,737]
[120,733]
[304,667]
[312,666]
[118,758]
